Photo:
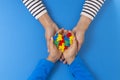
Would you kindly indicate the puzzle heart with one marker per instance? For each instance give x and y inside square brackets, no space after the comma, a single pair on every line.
[63,41]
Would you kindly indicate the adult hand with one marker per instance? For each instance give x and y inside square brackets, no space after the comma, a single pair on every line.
[55,54]
[50,32]
[49,26]
[80,30]
[79,34]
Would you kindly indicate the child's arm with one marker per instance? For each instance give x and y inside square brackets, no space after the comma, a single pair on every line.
[79,70]
[75,64]
[44,67]
[42,70]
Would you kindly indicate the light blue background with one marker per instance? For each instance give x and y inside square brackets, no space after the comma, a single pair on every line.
[22,42]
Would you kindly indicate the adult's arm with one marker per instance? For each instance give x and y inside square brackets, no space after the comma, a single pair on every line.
[90,10]
[42,70]
[38,10]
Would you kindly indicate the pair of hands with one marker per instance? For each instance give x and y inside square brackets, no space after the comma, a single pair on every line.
[69,54]
[51,29]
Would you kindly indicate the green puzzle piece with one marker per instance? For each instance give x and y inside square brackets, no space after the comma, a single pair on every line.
[67,43]
[56,43]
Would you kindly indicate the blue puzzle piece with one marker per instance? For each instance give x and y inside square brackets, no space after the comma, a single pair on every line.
[66,38]
[55,37]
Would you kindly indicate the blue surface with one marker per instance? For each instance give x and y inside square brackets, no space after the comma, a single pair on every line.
[22,42]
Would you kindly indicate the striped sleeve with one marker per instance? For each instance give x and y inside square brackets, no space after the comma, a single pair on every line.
[36,7]
[91,8]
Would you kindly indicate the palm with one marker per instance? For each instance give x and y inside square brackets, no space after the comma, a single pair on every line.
[79,37]
[50,32]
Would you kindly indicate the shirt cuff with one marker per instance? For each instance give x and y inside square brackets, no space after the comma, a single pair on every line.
[47,62]
[91,8]
[40,14]
[87,15]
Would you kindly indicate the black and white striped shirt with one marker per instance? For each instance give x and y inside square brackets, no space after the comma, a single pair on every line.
[90,7]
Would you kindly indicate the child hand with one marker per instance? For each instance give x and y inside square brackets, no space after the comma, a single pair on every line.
[70,53]
[55,54]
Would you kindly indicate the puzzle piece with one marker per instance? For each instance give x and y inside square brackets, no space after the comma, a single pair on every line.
[69,34]
[63,42]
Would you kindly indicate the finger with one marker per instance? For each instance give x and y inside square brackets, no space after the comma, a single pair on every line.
[70,31]
[79,46]
[60,31]
[65,32]
[51,44]
[51,41]
[73,31]
[80,42]
[65,62]
[48,41]
[74,43]
[48,44]
[61,57]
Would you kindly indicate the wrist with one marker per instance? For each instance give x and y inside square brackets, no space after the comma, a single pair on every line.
[46,21]
[51,59]
[81,28]
[70,60]
[52,25]
[83,23]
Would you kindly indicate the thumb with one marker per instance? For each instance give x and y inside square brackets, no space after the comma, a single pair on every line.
[48,42]
[74,31]
[74,42]
[79,42]
[51,41]
[60,31]
[79,46]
